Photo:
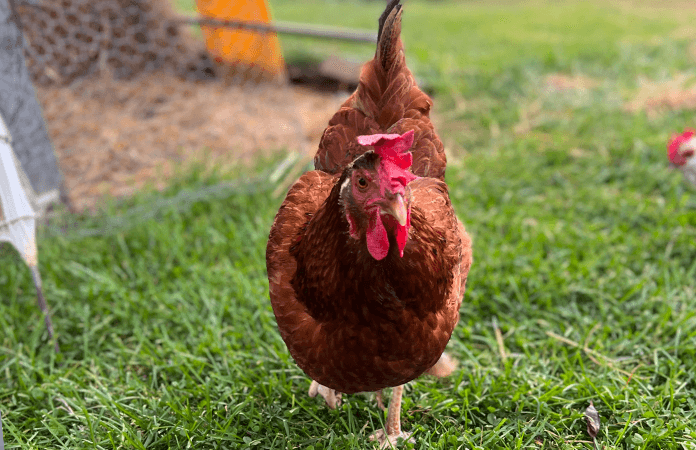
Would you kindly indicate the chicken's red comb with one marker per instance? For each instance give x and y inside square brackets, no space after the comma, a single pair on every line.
[391,147]
[676,142]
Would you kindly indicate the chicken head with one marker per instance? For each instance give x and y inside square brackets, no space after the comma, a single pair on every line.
[376,196]
[681,151]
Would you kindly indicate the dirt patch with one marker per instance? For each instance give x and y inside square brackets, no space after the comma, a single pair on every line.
[112,137]
[657,97]
[561,82]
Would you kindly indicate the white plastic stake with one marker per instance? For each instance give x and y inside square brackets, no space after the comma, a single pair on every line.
[18,224]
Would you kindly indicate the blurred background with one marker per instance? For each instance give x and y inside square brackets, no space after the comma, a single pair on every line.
[120,110]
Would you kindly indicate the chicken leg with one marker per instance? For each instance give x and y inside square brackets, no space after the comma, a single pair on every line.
[442,368]
[393,431]
[333,398]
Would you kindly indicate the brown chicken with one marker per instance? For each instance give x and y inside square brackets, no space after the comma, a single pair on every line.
[367,262]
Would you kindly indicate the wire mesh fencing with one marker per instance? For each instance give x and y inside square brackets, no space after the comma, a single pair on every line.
[70,39]
[130,90]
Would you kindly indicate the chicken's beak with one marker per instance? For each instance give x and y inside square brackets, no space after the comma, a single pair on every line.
[395,207]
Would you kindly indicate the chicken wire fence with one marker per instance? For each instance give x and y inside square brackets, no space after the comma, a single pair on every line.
[70,39]
[126,84]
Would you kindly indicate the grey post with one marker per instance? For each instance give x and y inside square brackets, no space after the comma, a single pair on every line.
[20,108]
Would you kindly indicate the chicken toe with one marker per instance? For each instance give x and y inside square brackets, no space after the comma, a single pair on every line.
[388,438]
[443,367]
[333,398]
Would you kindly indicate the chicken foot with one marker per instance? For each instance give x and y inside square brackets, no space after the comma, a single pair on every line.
[393,431]
[333,398]
[443,367]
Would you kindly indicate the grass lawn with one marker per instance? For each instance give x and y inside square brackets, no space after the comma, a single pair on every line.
[584,260]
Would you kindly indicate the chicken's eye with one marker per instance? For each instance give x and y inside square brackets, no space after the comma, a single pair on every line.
[362,183]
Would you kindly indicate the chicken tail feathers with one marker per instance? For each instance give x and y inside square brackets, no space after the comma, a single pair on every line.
[388,34]
[387,101]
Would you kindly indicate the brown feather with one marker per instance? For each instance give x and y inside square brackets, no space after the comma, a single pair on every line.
[386,96]
[339,146]
[348,320]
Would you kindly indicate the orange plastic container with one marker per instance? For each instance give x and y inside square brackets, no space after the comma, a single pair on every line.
[234,47]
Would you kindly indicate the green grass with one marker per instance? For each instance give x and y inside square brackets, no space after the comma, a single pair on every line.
[581,235]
